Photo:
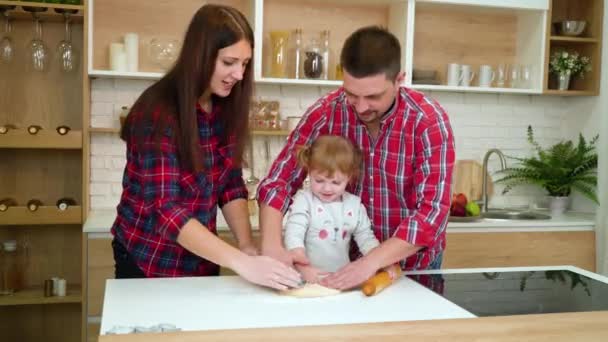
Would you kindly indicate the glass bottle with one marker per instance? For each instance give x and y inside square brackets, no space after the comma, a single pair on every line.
[34,204]
[6,203]
[64,203]
[313,60]
[296,54]
[12,267]
[278,65]
[325,53]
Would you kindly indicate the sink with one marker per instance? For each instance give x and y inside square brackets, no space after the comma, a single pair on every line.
[514,215]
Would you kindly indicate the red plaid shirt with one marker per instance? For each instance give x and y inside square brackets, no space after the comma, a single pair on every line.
[159,197]
[406,175]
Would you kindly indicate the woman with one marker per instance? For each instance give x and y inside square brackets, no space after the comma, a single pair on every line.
[185,138]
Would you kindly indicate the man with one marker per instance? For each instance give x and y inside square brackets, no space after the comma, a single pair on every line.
[408,155]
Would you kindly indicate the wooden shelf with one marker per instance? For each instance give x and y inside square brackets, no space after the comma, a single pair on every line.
[573,39]
[35,296]
[104,130]
[21,215]
[49,15]
[45,139]
[254,132]
[570,92]
[139,75]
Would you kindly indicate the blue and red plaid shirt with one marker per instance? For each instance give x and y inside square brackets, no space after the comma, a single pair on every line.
[159,197]
[406,176]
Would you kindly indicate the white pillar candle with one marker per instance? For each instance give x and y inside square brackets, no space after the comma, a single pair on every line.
[132,50]
[118,57]
[55,285]
[61,287]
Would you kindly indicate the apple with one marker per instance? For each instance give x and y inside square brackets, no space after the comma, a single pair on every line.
[460,198]
[457,210]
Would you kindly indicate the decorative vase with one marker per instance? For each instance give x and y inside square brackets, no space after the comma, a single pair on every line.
[563,81]
[559,205]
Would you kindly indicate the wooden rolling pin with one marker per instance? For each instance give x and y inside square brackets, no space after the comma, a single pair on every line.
[381,280]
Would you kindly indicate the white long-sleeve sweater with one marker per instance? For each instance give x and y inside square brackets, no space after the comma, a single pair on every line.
[325,229]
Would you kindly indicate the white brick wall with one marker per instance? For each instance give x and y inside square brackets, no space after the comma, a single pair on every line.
[479,121]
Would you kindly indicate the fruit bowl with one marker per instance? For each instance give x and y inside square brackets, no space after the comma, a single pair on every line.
[464,218]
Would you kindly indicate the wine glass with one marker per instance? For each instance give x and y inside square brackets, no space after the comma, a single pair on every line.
[38,52]
[7,49]
[66,55]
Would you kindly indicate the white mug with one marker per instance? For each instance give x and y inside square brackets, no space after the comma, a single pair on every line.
[453,74]
[486,76]
[466,75]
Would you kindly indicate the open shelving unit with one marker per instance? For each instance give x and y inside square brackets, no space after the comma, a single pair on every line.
[473,32]
[587,44]
[46,166]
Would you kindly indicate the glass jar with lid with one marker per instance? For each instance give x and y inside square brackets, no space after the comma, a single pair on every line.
[313,60]
[278,65]
[12,267]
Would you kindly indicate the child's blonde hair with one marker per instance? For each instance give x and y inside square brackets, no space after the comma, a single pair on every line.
[331,153]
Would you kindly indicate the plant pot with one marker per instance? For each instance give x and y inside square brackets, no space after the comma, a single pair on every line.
[559,205]
[563,81]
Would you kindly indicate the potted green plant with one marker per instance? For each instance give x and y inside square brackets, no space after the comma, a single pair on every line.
[566,64]
[559,169]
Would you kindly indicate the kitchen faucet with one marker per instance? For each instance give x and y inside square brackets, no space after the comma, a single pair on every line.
[484,183]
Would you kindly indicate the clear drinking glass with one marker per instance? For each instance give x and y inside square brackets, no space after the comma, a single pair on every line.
[526,76]
[515,76]
[501,75]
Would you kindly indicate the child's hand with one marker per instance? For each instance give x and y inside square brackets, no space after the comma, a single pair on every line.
[310,274]
[299,254]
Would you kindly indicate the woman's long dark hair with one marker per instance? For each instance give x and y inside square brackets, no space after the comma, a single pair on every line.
[170,103]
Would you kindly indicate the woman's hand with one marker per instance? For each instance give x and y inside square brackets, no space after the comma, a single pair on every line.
[266,271]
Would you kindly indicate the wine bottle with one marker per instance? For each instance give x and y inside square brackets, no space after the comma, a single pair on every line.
[33,204]
[6,203]
[33,129]
[5,128]
[63,130]
[65,202]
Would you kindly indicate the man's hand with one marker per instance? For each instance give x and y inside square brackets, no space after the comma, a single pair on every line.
[310,274]
[249,249]
[351,275]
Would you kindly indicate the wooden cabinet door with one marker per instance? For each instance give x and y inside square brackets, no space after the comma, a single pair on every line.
[100,267]
[505,249]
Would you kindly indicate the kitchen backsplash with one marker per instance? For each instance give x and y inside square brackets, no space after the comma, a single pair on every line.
[479,121]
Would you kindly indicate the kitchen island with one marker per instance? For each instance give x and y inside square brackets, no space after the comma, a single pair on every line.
[229,309]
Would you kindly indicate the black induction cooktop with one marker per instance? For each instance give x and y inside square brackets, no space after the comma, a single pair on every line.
[519,292]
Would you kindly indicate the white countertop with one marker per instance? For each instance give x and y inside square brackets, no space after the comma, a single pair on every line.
[211,303]
[229,302]
[100,221]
